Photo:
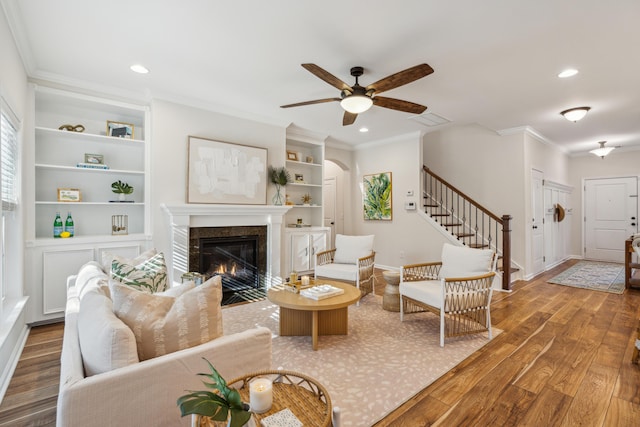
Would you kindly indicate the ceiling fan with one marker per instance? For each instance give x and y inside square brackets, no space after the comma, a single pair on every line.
[358,99]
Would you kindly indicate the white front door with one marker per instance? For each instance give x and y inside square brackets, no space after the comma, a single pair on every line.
[611,211]
[537,227]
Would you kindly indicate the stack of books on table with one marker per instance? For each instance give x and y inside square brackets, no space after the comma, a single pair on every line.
[91,166]
[321,292]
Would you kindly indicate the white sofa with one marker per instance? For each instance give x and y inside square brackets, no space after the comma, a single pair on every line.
[143,393]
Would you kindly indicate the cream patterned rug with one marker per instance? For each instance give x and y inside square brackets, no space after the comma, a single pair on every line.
[380,364]
[599,276]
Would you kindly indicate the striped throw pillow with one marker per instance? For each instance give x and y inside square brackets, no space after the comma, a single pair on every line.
[149,275]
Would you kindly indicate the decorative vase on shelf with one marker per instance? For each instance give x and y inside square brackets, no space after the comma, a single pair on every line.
[122,197]
[277,198]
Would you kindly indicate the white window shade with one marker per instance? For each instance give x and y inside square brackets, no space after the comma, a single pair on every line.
[8,163]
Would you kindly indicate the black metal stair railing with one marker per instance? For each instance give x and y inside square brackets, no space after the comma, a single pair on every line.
[467,220]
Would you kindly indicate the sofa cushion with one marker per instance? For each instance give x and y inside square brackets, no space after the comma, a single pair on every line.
[350,248]
[164,324]
[178,289]
[426,291]
[148,276]
[107,258]
[462,261]
[105,341]
[90,276]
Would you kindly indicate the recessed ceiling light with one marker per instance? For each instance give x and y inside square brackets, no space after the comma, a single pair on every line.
[569,72]
[140,69]
[363,129]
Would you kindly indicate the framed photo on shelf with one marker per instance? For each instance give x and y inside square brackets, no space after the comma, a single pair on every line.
[225,173]
[292,155]
[119,130]
[94,159]
[69,195]
[299,178]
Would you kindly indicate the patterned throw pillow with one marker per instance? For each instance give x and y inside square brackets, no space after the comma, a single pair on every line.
[148,276]
[107,258]
[164,324]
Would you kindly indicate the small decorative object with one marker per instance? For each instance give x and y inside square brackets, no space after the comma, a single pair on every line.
[288,202]
[119,225]
[293,277]
[280,177]
[69,195]
[69,228]
[305,280]
[306,199]
[309,159]
[72,128]
[299,221]
[196,278]
[260,395]
[220,404]
[94,159]
[57,226]
[119,130]
[377,197]
[299,178]
[121,188]
[292,155]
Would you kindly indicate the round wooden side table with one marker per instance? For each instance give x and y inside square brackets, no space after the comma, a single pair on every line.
[391,296]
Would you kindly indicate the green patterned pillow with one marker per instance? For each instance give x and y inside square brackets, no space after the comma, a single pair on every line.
[148,276]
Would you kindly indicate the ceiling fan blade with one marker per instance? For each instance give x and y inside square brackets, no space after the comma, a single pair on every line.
[326,76]
[398,104]
[401,78]
[348,118]
[317,101]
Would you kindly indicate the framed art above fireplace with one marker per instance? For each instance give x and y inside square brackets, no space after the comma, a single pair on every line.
[225,173]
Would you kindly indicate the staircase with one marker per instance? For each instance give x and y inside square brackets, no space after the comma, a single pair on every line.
[468,221]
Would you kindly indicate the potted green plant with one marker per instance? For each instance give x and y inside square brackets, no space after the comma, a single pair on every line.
[280,177]
[121,188]
[221,404]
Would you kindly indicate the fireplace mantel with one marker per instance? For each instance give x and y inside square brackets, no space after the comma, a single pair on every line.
[184,216]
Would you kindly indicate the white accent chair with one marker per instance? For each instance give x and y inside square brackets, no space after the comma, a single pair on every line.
[458,289]
[352,260]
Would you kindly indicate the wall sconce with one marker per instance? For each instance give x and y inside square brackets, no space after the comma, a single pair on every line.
[602,151]
[575,114]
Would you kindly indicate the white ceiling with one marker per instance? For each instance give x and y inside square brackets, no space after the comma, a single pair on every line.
[496,61]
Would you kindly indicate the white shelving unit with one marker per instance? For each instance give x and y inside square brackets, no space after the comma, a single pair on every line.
[53,158]
[307,171]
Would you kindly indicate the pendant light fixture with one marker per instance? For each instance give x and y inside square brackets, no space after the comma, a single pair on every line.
[575,114]
[602,151]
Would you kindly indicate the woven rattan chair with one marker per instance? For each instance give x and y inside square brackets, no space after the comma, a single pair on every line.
[352,260]
[457,289]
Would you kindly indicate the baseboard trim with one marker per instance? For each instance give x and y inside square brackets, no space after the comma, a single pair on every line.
[16,332]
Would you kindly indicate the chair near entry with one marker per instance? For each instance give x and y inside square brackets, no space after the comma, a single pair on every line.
[458,289]
[352,260]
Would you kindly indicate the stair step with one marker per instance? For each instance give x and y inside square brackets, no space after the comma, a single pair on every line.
[431,206]
[465,235]
[513,269]
[458,224]
[440,214]
[477,245]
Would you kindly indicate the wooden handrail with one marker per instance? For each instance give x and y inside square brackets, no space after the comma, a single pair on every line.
[475,225]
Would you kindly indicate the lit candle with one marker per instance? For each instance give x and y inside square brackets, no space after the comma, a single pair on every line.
[260,395]
[305,280]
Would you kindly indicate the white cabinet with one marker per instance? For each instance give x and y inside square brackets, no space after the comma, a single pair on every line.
[53,159]
[303,247]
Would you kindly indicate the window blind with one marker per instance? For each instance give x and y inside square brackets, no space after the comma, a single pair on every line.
[8,163]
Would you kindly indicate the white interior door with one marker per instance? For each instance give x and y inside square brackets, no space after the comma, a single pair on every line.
[537,227]
[611,210]
[329,202]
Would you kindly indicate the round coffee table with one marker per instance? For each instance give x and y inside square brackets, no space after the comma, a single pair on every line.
[305,316]
[391,296]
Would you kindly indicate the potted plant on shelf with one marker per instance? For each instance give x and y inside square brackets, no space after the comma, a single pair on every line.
[280,177]
[221,404]
[121,188]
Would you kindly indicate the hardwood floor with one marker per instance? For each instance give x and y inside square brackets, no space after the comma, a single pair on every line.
[563,359]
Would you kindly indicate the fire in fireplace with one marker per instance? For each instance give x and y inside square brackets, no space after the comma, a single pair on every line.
[238,254]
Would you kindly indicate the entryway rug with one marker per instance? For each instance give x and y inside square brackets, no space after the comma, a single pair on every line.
[380,364]
[598,276]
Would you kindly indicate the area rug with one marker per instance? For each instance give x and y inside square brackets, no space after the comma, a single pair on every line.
[598,276]
[380,364]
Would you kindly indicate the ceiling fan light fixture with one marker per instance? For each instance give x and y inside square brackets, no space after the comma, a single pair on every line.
[356,104]
[575,114]
[602,151]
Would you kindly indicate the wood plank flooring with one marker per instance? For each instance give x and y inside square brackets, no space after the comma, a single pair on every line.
[564,359]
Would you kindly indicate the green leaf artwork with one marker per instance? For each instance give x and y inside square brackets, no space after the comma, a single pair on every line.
[377,196]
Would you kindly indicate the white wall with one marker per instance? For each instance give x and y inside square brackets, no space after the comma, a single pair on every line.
[171,125]
[618,163]
[407,232]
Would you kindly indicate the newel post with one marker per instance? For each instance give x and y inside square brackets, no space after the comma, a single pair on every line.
[506,252]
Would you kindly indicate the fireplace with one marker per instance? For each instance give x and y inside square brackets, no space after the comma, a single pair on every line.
[238,254]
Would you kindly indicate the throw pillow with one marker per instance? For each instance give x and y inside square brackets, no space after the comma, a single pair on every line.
[107,258]
[350,248]
[462,261]
[163,324]
[105,341]
[147,276]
